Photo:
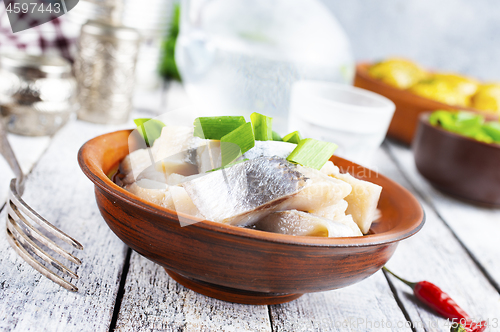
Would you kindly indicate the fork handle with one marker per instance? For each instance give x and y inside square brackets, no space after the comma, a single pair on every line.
[6,151]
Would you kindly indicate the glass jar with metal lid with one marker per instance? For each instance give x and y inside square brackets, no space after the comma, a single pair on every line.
[105,71]
[37,93]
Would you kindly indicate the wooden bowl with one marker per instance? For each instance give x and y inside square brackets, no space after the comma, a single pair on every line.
[409,106]
[458,165]
[239,264]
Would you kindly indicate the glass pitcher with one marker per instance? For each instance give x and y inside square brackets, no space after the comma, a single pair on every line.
[238,56]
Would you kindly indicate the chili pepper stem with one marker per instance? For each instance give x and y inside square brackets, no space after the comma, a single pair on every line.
[411,284]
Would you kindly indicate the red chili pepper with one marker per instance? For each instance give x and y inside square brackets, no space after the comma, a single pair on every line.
[438,300]
[442,303]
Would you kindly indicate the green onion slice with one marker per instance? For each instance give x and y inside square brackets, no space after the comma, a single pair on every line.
[293,137]
[493,130]
[466,124]
[468,119]
[262,127]
[236,143]
[312,153]
[149,129]
[215,127]
[444,118]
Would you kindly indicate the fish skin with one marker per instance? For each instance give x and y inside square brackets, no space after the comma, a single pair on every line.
[245,192]
[298,223]
[270,148]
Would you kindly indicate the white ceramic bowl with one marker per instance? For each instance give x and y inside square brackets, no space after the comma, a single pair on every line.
[355,119]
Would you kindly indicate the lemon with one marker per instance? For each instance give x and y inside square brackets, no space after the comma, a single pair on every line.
[400,73]
[464,85]
[441,91]
[487,98]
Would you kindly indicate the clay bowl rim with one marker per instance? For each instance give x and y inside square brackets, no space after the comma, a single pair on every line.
[424,120]
[101,180]
[362,71]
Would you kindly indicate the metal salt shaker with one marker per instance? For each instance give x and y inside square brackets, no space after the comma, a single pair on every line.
[105,71]
[37,93]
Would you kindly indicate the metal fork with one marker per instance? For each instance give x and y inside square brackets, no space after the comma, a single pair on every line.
[22,235]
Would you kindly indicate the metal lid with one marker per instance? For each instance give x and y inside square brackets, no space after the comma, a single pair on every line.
[101,28]
[35,66]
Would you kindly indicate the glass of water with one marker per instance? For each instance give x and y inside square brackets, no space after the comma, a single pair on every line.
[355,119]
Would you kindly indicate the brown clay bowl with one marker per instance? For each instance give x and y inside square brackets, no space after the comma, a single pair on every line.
[239,264]
[409,106]
[458,165]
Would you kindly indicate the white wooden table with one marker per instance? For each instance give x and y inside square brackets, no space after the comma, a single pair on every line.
[458,249]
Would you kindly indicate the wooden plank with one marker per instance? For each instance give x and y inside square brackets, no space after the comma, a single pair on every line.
[435,255]
[153,301]
[476,227]
[365,306]
[59,191]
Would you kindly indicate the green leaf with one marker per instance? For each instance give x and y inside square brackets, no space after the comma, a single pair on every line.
[467,124]
[312,153]
[214,127]
[468,119]
[293,137]
[482,137]
[262,127]
[236,143]
[150,129]
[276,136]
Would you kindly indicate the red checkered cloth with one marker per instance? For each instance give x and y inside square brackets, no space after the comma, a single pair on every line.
[54,37]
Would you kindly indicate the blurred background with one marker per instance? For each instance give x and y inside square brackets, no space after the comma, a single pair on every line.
[233,57]
[451,35]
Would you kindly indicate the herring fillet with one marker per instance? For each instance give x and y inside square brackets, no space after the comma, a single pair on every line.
[270,148]
[173,152]
[241,194]
[362,201]
[298,223]
[320,191]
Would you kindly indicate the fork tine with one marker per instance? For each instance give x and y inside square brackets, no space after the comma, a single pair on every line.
[32,214]
[35,233]
[21,238]
[36,265]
